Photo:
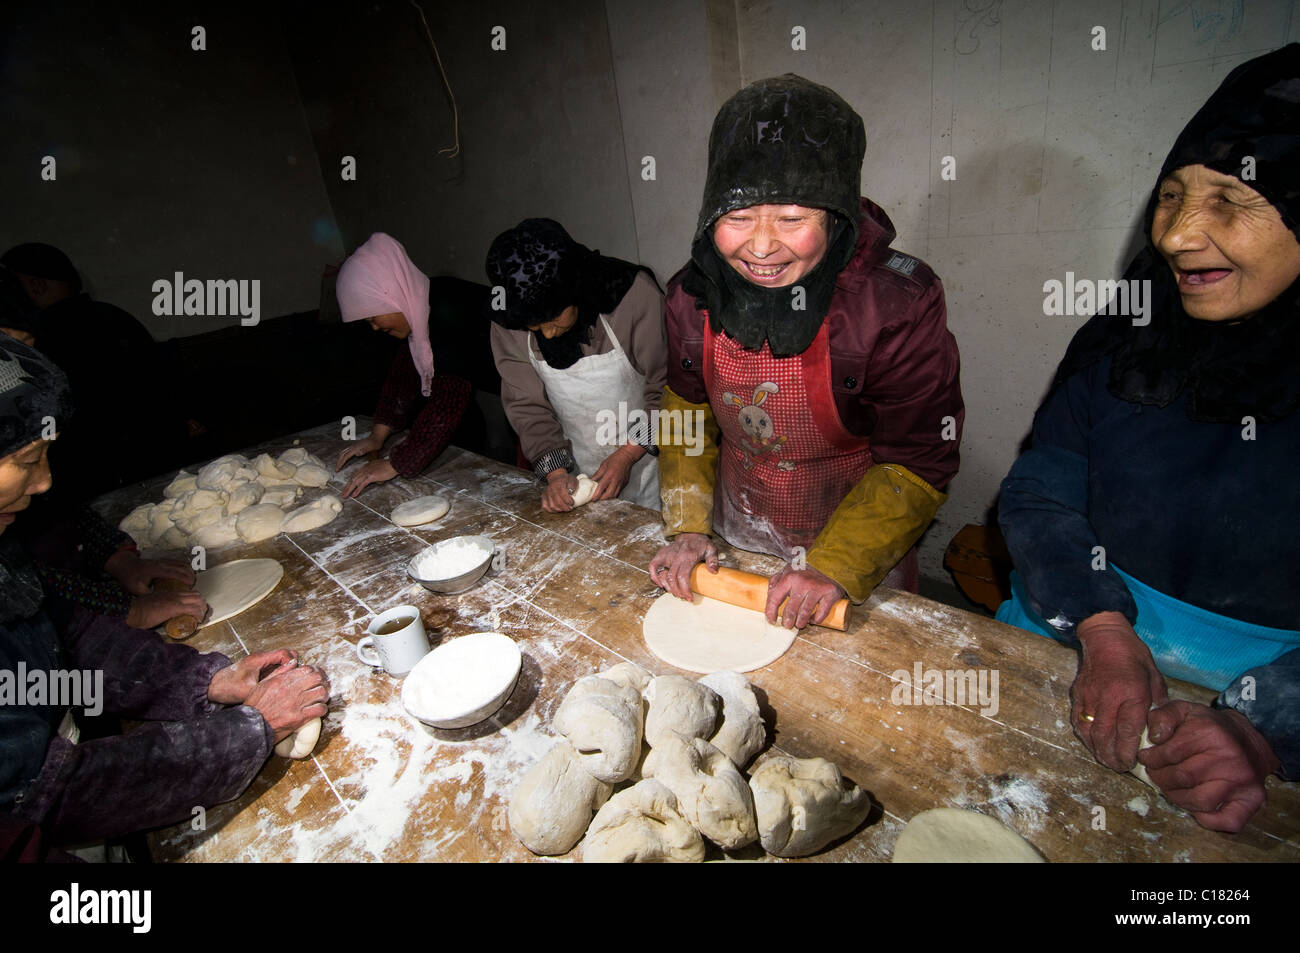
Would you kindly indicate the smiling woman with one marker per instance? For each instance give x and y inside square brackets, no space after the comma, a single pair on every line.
[1152,521]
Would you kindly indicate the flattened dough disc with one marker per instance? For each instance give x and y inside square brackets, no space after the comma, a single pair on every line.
[232,587]
[421,510]
[708,636]
[947,835]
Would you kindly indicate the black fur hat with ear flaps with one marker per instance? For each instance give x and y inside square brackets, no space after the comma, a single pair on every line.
[779,141]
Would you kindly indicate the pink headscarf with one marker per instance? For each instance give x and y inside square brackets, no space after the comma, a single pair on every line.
[379,278]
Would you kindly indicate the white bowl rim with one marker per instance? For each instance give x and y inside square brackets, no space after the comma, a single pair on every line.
[433,718]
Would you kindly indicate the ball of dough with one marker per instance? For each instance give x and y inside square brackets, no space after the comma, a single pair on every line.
[803,804]
[258,522]
[1139,770]
[629,674]
[309,474]
[281,495]
[173,538]
[680,705]
[301,742]
[312,516]
[183,482]
[206,517]
[553,804]
[217,474]
[136,524]
[742,733]
[949,835]
[710,792]
[218,534]
[640,825]
[602,720]
[160,521]
[267,467]
[421,510]
[586,488]
[244,496]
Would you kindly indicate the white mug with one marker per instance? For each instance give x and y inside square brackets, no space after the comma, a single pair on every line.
[397,651]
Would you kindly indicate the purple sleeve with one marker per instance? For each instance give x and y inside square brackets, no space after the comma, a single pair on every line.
[434,425]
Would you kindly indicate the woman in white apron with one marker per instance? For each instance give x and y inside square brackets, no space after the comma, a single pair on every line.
[579,340]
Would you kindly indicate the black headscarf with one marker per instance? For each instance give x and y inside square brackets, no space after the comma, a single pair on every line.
[780,141]
[16,309]
[42,261]
[1227,370]
[543,272]
[31,389]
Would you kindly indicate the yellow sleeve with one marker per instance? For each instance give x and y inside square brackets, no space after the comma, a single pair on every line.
[688,464]
[873,527]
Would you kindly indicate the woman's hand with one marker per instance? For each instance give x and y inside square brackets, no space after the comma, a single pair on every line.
[137,575]
[232,684]
[289,697]
[672,565]
[558,495]
[811,596]
[613,473]
[155,608]
[1116,685]
[1211,762]
[377,471]
[369,444]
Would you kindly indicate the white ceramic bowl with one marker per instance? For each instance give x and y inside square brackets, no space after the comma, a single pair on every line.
[462,581]
[463,681]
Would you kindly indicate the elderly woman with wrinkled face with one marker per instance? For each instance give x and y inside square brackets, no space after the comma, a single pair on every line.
[1152,522]
[817,357]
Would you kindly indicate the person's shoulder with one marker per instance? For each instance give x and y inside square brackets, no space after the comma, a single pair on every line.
[641,294]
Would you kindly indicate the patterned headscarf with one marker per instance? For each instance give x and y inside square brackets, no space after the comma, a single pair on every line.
[544,271]
[379,278]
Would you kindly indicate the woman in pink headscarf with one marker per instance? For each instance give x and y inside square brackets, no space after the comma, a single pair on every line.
[380,285]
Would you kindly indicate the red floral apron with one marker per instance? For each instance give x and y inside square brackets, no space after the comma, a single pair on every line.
[785,460]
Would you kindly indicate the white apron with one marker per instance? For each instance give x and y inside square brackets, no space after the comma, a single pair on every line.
[580,392]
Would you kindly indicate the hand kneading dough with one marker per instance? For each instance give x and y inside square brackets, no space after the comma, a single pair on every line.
[602,720]
[710,792]
[1139,770]
[679,705]
[742,733]
[803,804]
[421,510]
[706,635]
[312,516]
[586,487]
[309,474]
[551,808]
[259,522]
[301,742]
[642,825]
[949,835]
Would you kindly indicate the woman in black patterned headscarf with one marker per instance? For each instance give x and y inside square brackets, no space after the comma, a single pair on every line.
[579,340]
[1153,521]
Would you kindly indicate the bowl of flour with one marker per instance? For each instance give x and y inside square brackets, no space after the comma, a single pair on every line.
[452,565]
[463,681]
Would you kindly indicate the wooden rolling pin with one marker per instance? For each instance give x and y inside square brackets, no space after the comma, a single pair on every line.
[179,627]
[749,591]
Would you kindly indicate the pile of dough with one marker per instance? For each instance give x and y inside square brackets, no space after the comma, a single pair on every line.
[680,705]
[602,720]
[803,804]
[950,835]
[742,734]
[234,499]
[553,805]
[710,792]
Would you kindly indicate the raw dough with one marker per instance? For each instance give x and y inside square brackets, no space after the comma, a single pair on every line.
[803,804]
[421,510]
[173,538]
[220,533]
[281,495]
[243,496]
[949,835]
[629,674]
[231,588]
[312,516]
[742,733]
[586,487]
[183,483]
[551,808]
[295,456]
[642,825]
[301,743]
[136,524]
[710,792]
[311,474]
[1139,770]
[259,522]
[709,636]
[217,474]
[679,705]
[266,467]
[193,523]
[602,720]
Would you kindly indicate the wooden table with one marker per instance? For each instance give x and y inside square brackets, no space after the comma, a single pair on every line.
[572,594]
